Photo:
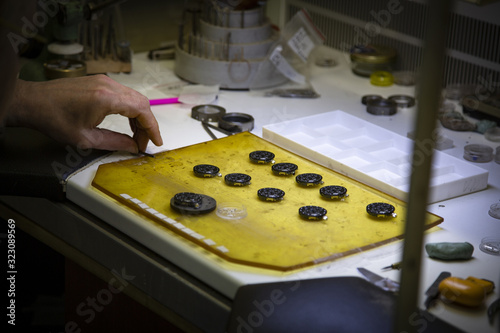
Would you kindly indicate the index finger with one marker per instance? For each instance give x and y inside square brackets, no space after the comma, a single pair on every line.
[137,107]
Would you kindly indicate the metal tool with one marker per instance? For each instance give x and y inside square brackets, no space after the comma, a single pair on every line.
[433,292]
[393,266]
[493,309]
[382,282]
[293,93]
[206,126]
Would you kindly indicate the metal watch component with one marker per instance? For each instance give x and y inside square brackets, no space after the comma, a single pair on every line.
[381,107]
[236,122]
[207,112]
[366,98]
[261,157]
[237,179]
[284,169]
[293,93]
[188,199]
[381,209]
[403,101]
[270,194]
[333,192]
[313,213]
[206,171]
[309,179]
[185,205]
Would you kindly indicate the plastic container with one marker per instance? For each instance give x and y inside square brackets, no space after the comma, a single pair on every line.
[478,153]
[490,245]
[495,211]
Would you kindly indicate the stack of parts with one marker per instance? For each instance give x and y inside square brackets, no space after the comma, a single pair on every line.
[224,46]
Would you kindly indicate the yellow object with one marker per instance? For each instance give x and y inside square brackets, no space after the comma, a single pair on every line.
[272,235]
[381,78]
[470,292]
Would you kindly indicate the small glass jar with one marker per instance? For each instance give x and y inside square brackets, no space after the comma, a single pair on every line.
[371,58]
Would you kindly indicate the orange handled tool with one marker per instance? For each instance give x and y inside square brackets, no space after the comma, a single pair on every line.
[470,292]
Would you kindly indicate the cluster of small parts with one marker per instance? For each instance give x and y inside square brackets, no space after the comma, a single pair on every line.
[173,222]
[270,194]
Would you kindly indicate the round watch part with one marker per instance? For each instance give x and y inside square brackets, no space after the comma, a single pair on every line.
[188,199]
[309,179]
[333,192]
[381,209]
[270,194]
[314,213]
[206,171]
[261,157]
[237,179]
[366,98]
[207,112]
[206,205]
[381,107]
[284,169]
[403,101]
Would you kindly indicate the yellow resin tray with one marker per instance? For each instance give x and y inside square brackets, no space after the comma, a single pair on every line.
[272,235]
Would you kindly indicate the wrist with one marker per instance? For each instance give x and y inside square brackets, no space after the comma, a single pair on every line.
[19,112]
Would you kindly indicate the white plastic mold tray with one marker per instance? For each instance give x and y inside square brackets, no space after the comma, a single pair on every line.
[373,155]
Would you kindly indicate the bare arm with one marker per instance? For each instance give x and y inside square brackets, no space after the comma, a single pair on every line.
[69,111]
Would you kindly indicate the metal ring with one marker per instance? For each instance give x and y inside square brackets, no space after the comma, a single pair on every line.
[236,122]
[403,101]
[366,98]
[207,112]
[382,107]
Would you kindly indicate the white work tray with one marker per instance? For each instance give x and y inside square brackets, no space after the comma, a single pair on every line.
[373,155]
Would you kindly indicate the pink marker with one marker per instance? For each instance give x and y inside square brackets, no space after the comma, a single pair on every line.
[160,101]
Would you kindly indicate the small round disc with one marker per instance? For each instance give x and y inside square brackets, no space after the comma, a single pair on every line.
[309,179]
[333,192]
[284,169]
[270,194]
[381,209]
[206,171]
[261,157]
[314,213]
[237,179]
[207,205]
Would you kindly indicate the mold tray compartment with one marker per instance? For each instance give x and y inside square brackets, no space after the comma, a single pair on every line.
[372,155]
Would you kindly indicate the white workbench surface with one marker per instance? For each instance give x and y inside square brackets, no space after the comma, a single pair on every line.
[465,218]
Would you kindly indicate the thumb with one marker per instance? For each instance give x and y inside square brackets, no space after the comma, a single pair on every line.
[104,139]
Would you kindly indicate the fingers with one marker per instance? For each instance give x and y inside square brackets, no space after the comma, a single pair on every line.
[141,137]
[104,139]
[136,107]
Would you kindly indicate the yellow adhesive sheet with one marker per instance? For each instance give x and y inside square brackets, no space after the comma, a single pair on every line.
[272,235]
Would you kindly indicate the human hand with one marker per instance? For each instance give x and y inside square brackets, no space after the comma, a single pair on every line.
[69,110]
